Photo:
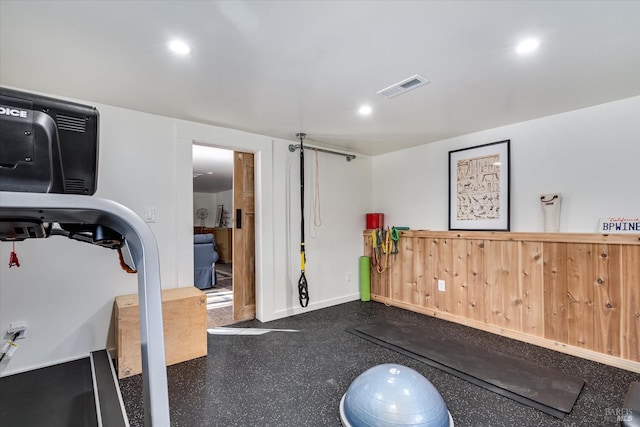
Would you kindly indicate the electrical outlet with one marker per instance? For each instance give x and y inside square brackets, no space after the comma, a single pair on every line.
[441,285]
[18,327]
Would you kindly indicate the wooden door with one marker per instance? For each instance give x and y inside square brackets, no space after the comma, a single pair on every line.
[244,282]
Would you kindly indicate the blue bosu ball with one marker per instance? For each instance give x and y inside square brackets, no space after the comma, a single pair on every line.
[393,395]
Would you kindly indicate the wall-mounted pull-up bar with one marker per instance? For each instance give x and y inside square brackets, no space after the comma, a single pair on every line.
[294,147]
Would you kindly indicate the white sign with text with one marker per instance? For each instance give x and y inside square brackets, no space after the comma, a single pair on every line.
[613,225]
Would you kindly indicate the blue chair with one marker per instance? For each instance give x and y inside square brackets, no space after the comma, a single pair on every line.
[205,256]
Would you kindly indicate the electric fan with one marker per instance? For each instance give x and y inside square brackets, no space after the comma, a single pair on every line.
[202,214]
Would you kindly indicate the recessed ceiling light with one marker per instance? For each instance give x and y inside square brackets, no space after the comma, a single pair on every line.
[365,110]
[527,46]
[180,47]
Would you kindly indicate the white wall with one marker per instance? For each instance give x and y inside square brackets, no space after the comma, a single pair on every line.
[65,289]
[206,201]
[346,197]
[334,247]
[210,202]
[591,156]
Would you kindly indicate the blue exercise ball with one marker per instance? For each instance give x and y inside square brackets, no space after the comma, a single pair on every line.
[393,395]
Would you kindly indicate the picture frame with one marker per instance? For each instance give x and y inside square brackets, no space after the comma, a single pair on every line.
[219,211]
[479,187]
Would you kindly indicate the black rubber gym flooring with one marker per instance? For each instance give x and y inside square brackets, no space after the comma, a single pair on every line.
[297,379]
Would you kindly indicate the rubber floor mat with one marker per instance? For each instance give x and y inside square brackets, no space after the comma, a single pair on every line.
[546,389]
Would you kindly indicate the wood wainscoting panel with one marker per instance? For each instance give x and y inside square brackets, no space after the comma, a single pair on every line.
[503,294]
[607,299]
[432,297]
[420,271]
[630,304]
[475,281]
[410,274]
[580,294]
[556,325]
[406,274]
[576,293]
[531,271]
[444,272]
[458,300]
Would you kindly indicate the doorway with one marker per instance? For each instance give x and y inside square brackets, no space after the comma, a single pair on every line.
[223,201]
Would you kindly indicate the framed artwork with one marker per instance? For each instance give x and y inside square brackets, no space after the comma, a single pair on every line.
[479,187]
[219,216]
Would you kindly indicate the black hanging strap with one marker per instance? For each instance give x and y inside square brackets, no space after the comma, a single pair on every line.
[303,289]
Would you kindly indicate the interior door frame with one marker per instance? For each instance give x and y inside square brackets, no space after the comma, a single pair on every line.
[257,179]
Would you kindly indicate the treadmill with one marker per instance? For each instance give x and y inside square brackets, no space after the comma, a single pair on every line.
[48,175]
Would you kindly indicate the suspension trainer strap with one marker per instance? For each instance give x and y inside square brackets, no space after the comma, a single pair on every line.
[303,287]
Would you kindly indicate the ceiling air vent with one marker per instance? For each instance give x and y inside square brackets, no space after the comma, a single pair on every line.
[403,86]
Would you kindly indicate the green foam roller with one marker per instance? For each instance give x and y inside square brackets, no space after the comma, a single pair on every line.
[365,278]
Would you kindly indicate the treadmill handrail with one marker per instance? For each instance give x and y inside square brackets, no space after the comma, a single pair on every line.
[71,208]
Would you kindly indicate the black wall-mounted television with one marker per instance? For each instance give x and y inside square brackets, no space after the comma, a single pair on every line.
[47,145]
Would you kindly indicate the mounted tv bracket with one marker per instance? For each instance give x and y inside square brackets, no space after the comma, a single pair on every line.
[48,170]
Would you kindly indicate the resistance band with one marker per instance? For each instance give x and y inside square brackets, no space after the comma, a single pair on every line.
[384,242]
[303,288]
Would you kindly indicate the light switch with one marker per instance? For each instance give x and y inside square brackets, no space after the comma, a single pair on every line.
[441,285]
[150,214]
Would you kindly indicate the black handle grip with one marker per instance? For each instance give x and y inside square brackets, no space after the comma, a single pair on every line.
[238,218]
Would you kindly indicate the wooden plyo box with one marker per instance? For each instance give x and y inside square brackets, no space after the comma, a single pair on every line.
[184,314]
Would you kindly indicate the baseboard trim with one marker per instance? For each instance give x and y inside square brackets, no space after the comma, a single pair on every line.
[292,311]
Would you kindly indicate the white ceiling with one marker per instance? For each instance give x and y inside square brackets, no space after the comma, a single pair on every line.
[212,169]
[280,67]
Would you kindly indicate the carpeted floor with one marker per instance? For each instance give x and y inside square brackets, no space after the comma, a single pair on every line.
[297,379]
